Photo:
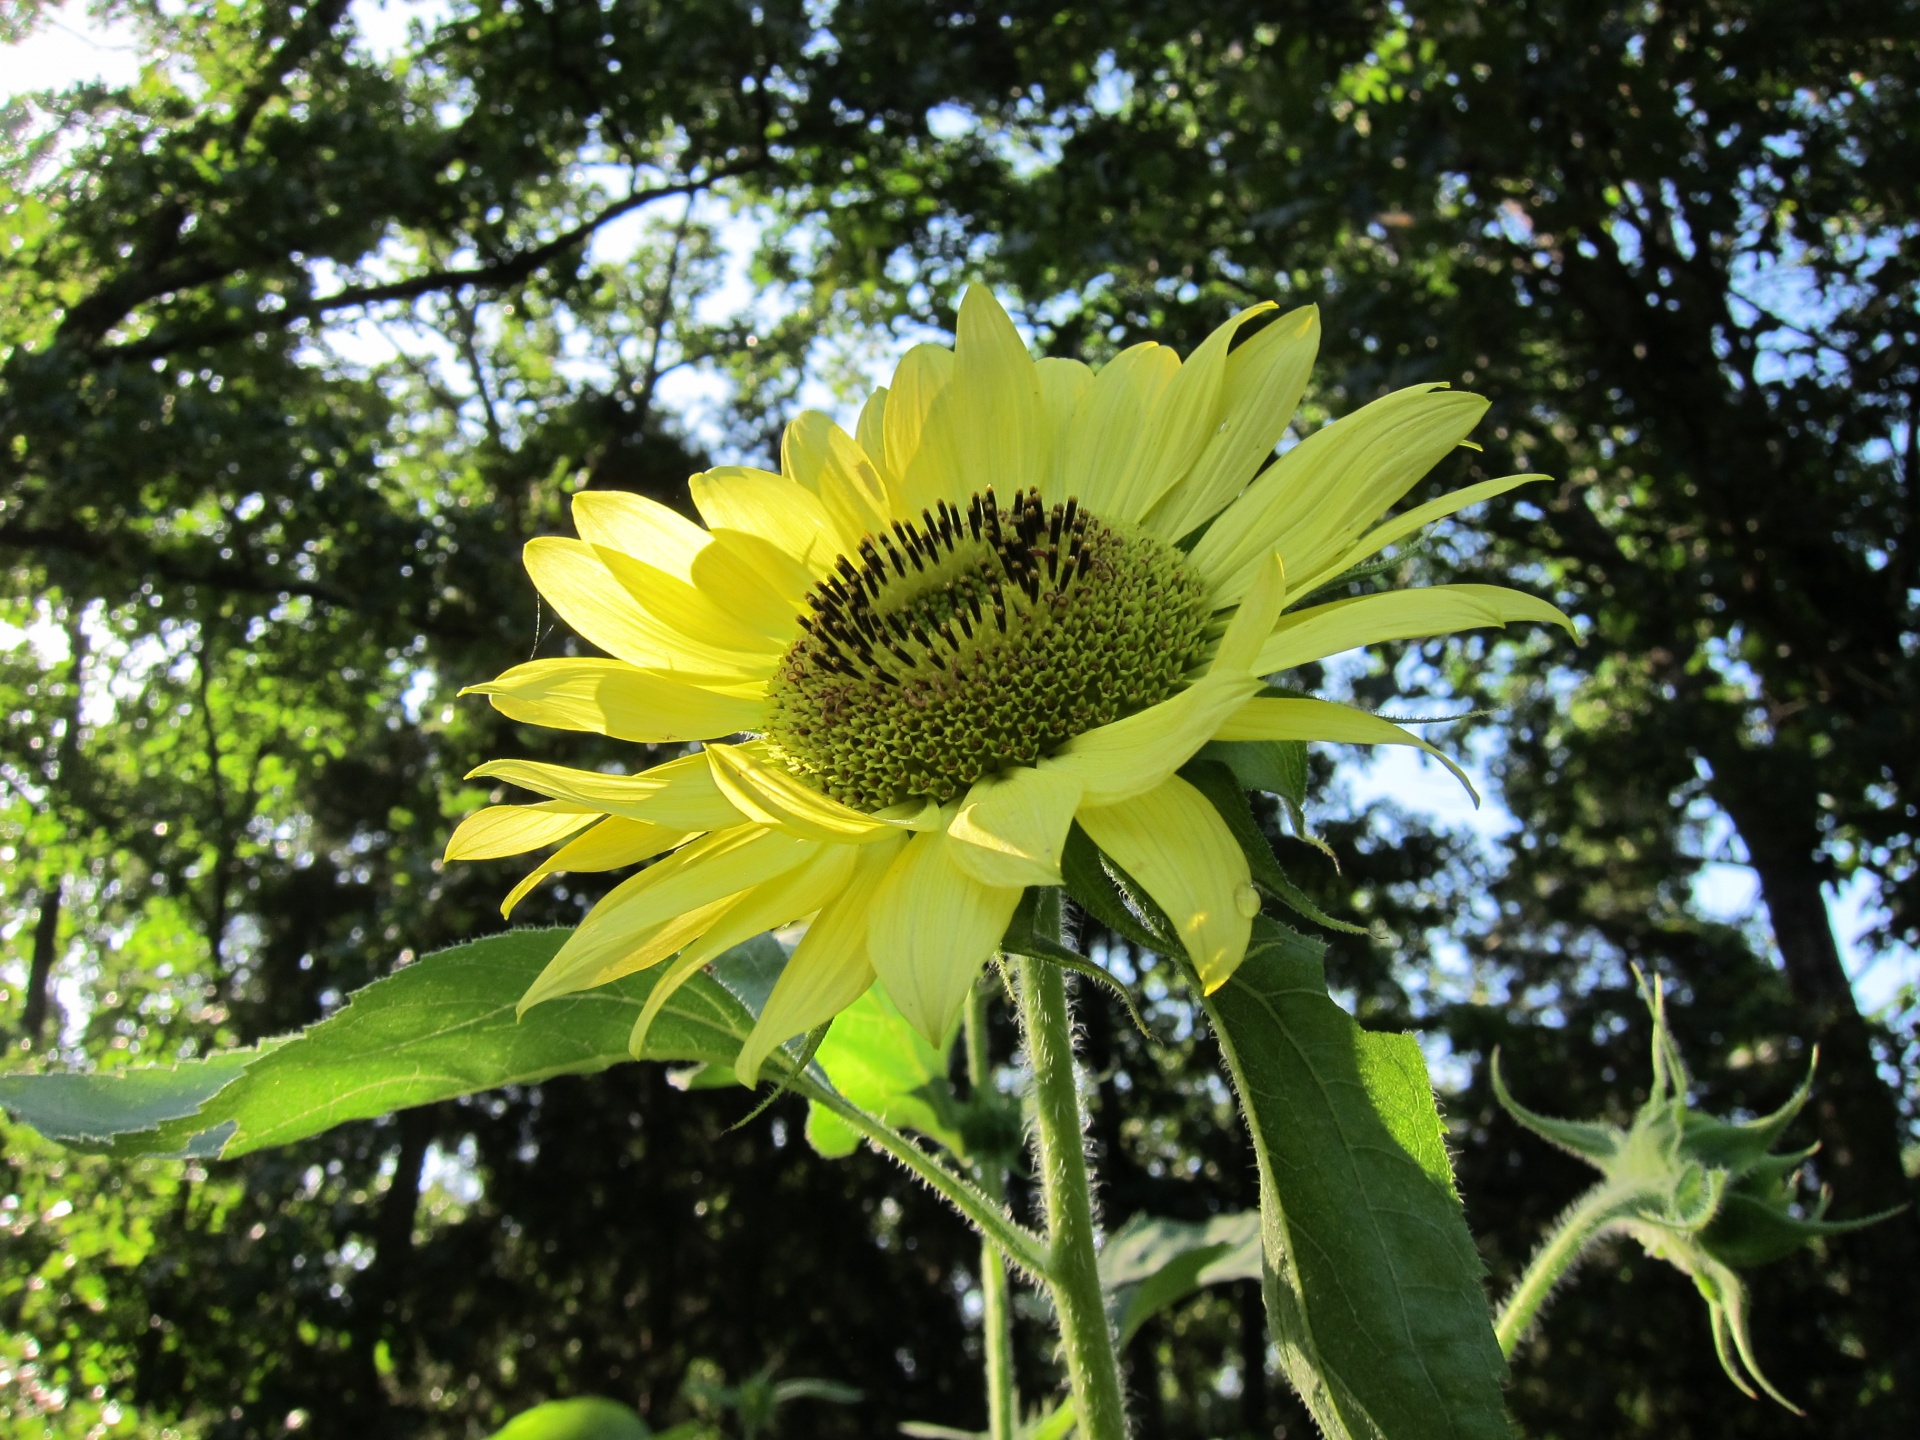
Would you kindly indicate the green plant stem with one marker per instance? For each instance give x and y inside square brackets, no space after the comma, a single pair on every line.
[989,1216]
[1583,1223]
[996,1317]
[1075,1280]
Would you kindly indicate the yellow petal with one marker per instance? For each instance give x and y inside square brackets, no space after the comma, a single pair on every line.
[772,508]
[642,528]
[871,431]
[1112,427]
[747,630]
[697,876]
[596,600]
[932,928]
[800,891]
[515,829]
[1175,844]
[1418,518]
[1184,418]
[824,458]
[615,843]
[640,951]
[924,372]
[1318,498]
[1010,827]
[1135,754]
[1265,379]
[1239,649]
[679,794]
[770,795]
[1062,385]
[1325,630]
[829,970]
[734,552]
[1000,434]
[1267,718]
[608,697]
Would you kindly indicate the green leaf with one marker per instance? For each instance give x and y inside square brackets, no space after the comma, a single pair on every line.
[1373,1285]
[442,1027]
[587,1418]
[1278,767]
[1150,1263]
[886,1067]
[86,1111]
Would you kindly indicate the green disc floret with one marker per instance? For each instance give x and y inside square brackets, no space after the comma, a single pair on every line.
[975,640]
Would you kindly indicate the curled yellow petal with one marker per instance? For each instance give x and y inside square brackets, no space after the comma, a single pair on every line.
[591,595]
[1313,502]
[680,793]
[745,634]
[871,433]
[1268,718]
[829,969]
[1265,378]
[1325,630]
[1406,523]
[923,373]
[1063,383]
[615,843]
[1185,416]
[1110,433]
[515,829]
[799,891]
[1011,826]
[993,401]
[933,926]
[1175,844]
[640,527]
[1239,649]
[609,697]
[1136,753]
[695,877]
[828,461]
[774,796]
[772,508]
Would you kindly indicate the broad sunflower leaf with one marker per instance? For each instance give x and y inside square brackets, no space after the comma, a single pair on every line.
[1373,1285]
[1152,1263]
[442,1027]
[881,1063]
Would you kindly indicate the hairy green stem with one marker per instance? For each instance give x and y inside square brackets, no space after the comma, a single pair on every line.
[1075,1280]
[996,1317]
[989,1216]
[1583,1223]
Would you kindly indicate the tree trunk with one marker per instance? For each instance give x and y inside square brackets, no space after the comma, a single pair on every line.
[46,949]
[376,1298]
[1853,1111]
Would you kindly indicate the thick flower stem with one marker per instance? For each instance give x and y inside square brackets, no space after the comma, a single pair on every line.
[1583,1222]
[1075,1277]
[1003,1416]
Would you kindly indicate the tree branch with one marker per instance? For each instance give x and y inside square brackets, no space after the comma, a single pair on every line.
[499,274]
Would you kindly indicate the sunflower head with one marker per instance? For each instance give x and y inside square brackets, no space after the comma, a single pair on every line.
[1019,597]
[981,637]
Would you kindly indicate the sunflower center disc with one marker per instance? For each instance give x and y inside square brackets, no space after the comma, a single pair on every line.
[976,640]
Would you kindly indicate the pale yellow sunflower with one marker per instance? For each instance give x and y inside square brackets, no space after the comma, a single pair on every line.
[1023,594]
